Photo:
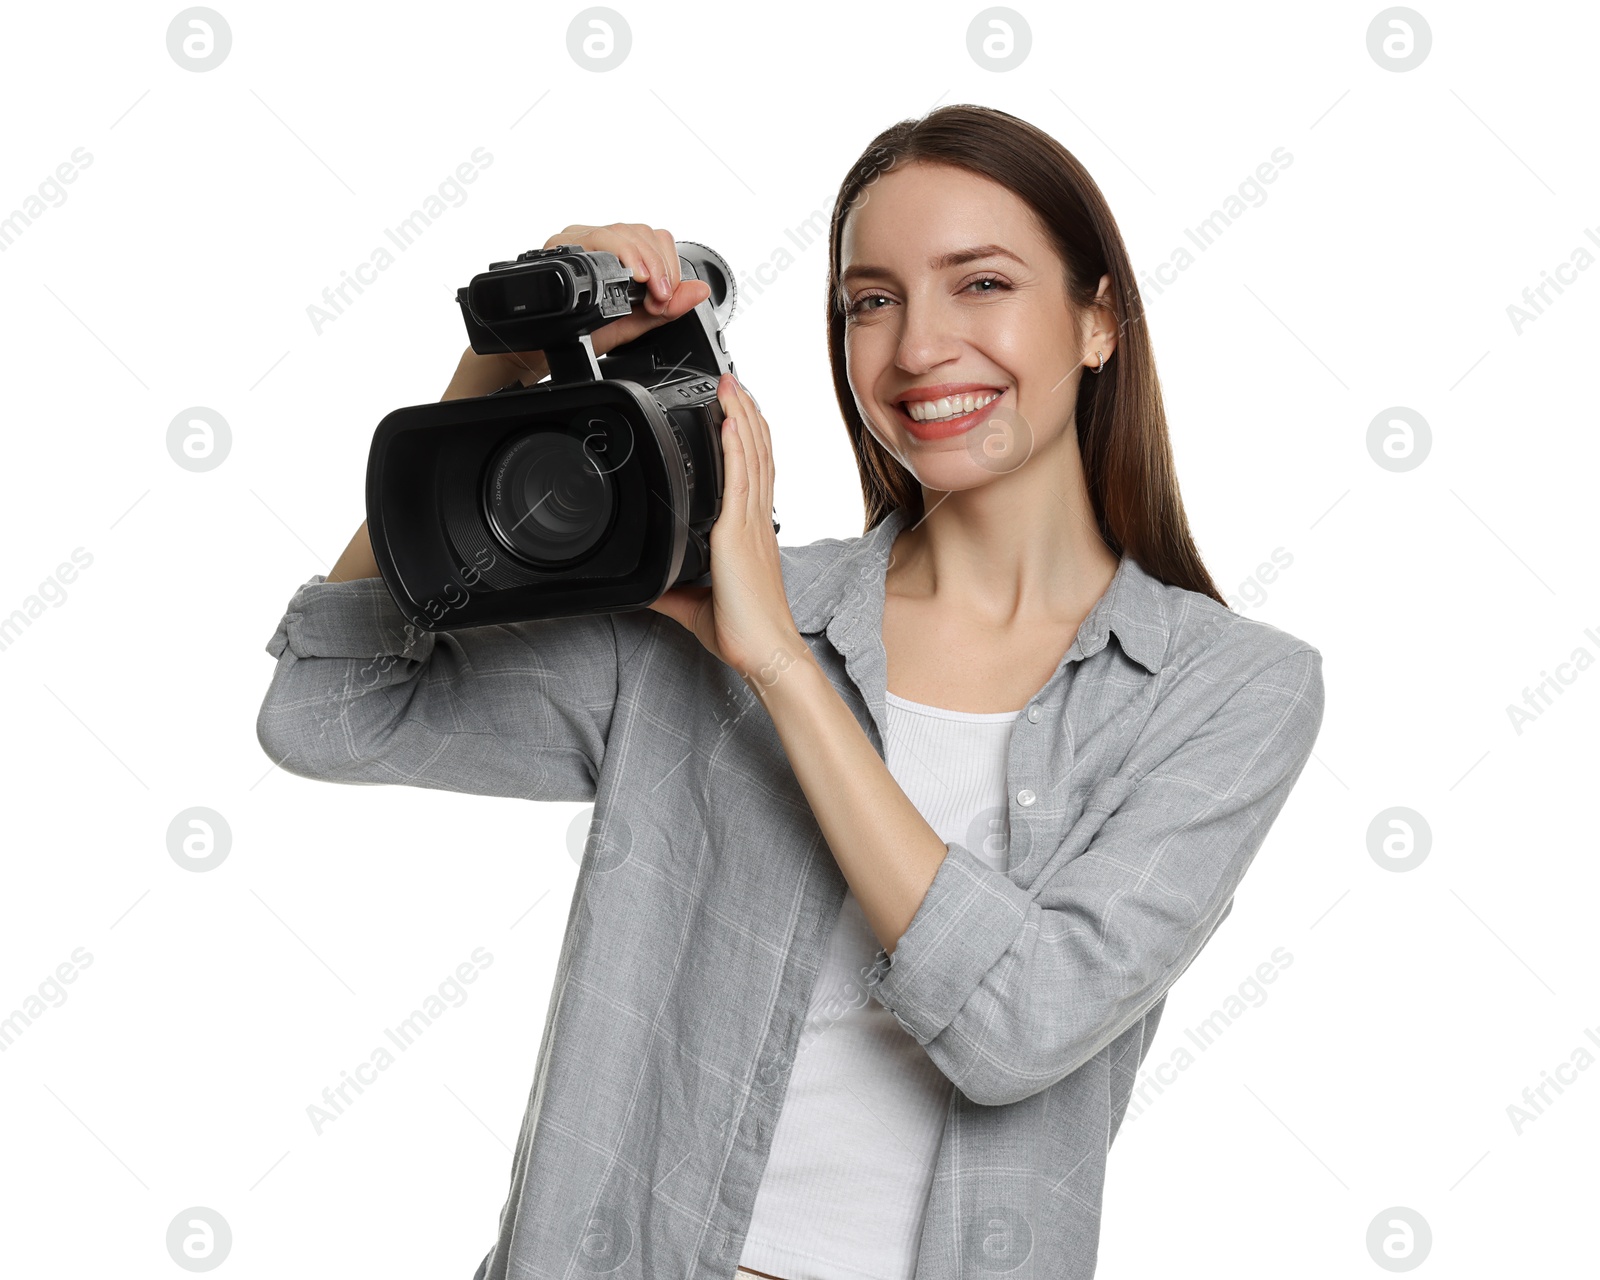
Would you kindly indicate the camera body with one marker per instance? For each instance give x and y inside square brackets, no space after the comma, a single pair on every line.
[591,492]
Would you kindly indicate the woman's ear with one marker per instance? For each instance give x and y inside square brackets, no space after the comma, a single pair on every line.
[1101,329]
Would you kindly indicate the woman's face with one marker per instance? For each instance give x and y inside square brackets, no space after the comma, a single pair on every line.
[925,320]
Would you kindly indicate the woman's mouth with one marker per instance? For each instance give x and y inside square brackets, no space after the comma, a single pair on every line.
[949,415]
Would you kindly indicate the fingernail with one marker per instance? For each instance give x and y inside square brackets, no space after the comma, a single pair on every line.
[662,287]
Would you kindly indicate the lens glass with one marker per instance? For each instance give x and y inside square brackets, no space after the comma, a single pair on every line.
[549,498]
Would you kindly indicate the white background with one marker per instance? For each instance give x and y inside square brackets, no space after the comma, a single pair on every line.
[177,272]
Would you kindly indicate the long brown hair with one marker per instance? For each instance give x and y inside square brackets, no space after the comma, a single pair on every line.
[1121,425]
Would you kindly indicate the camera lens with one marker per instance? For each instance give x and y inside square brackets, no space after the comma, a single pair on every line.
[549,499]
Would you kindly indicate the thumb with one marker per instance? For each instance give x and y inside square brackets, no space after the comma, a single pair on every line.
[681,604]
[685,298]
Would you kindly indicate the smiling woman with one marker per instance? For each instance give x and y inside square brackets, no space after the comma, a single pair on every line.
[1025,513]
[860,986]
[976,274]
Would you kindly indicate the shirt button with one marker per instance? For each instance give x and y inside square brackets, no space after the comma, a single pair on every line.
[1026,797]
[1033,714]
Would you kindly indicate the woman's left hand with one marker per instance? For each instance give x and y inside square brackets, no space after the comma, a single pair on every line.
[743,617]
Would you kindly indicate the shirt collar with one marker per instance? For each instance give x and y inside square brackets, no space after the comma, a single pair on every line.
[845,599]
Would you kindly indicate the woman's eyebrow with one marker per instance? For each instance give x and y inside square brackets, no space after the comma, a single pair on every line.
[956,258]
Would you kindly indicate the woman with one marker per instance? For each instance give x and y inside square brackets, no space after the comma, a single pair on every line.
[998,764]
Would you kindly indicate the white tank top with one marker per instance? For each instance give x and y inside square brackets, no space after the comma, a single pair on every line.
[847,1179]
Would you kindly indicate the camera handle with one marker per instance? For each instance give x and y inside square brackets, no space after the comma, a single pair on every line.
[573,361]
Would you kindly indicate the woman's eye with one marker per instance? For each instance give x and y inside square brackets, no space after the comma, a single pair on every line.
[860,304]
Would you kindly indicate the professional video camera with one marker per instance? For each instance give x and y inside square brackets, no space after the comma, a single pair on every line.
[592,492]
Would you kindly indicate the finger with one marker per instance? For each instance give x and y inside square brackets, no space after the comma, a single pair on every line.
[662,259]
[650,249]
[688,295]
[679,604]
[760,460]
[737,404]
[624,329]
[645,272]
[571,235]
[634,325]
[735,476]
[749,398]
[639,257]
[639,249]
[768,466]
[669,250]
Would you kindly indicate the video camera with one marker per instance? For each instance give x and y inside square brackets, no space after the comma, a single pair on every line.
[592,492]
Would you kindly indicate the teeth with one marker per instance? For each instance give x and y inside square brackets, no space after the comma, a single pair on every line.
[949,406]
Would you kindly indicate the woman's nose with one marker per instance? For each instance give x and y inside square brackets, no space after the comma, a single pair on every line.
[927,337]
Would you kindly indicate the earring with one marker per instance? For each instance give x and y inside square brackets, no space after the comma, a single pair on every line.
[1102,363]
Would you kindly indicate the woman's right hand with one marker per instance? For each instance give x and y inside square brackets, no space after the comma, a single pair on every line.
[649,252]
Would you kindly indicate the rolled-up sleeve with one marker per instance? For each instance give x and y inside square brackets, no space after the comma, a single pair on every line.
[361,695]
[1009,990]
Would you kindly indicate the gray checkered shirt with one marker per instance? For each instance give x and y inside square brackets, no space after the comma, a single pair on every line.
[1141,780]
